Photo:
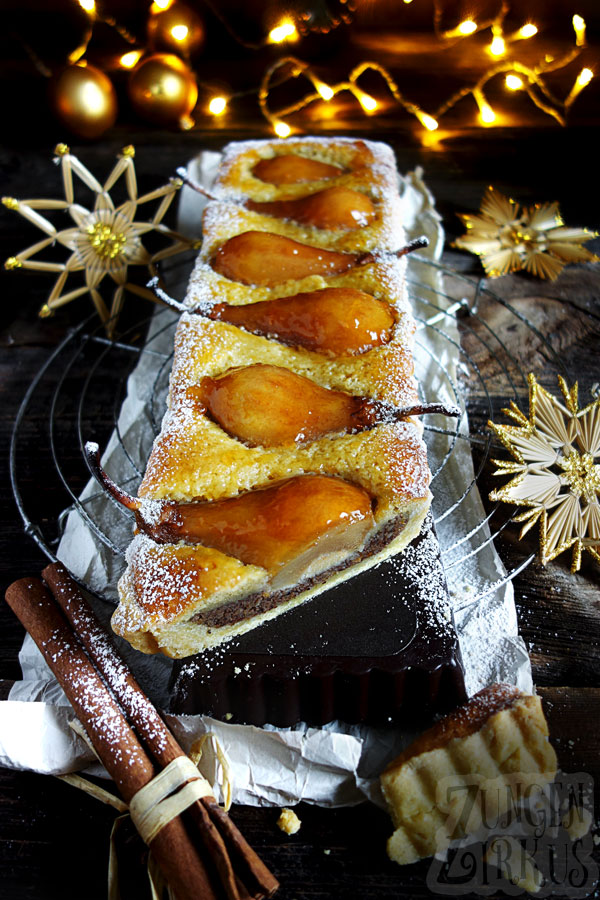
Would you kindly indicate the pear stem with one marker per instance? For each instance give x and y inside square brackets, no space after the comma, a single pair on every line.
[371,257]
[92,454]
[371,413]
[422,409]
[182,173]
[165,298]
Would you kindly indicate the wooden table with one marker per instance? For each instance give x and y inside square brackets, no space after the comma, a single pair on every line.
[54,840]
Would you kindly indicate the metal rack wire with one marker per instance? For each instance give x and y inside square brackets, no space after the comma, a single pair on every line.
[78,395]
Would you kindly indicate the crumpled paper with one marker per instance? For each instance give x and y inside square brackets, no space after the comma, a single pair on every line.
[332,766]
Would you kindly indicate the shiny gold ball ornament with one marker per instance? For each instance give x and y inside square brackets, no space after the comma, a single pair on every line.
[175,28]
[84,100]
[163,90]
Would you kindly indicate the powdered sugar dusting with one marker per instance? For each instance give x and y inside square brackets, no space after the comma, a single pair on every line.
[113,669]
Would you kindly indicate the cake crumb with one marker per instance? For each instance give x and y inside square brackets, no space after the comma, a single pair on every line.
[288,821]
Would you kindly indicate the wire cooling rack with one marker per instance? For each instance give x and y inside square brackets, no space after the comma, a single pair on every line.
[78,395]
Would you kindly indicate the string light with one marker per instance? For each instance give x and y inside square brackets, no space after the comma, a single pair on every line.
[526,31]
[368,103]
[498,46]
[517,76]
[285,31]
[486,113]
[427,121]
[513,82]
[180,32]
[584,78]
[282,129]
[324,90]
[131,59]
[579,28]
[462,30]
[217,106]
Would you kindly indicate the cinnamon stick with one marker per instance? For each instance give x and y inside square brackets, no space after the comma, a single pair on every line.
[218,831]
[114,741]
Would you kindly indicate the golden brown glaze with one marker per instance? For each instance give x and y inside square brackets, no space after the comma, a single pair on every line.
[293,169]
[337,321]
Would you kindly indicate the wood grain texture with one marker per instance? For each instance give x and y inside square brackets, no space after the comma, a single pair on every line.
[47,827]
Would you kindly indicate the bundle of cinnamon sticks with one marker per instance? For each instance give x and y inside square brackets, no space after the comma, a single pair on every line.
[200,851]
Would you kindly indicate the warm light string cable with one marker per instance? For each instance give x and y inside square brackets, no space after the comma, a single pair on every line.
[518,75]
[326,92]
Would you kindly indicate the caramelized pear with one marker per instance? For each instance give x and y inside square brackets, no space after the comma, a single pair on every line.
[335,207]
[261,258]
[264,259]
[268,406]
[293,169]
[280,527]
[337,321]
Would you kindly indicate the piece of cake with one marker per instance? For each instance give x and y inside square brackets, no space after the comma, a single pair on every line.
[469,768]
[290,458]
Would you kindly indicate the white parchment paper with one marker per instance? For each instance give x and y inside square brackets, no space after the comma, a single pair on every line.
[331,766]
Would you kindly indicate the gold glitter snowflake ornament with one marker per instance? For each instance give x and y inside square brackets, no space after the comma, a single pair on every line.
[533,239]
[557,471]
[104,241]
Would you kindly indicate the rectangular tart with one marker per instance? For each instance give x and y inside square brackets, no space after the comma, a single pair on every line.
[181,597]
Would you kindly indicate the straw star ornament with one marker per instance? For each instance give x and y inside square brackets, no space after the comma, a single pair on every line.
[556,453]
[104,241]
[508,238]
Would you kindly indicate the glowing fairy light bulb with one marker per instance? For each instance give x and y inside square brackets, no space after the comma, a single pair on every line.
[282,130]
[513,82]
[160,5]
[468,26]
[324,90]
[427,121]
[498,46]
[180,32]
[527,31]
[579,28]
[486,113]
[217,106]
[368,103]
[584,77]
[88,5]
[129,60]
[285,31]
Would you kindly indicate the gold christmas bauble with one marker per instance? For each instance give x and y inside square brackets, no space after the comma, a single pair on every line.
[176,28]
[84,99]
[163,90]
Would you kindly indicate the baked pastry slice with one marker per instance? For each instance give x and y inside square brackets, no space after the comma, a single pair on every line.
[469,768]
[261,413]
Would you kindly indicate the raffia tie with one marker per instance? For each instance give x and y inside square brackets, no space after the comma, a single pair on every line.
[169,793]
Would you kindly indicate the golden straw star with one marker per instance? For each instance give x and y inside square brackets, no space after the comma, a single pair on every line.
[534,239]
[106,240]
[557,465]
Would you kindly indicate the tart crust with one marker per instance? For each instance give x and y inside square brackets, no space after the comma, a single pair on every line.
[181,599]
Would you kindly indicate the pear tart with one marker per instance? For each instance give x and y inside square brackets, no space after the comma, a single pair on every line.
[288,461]
[343,192]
